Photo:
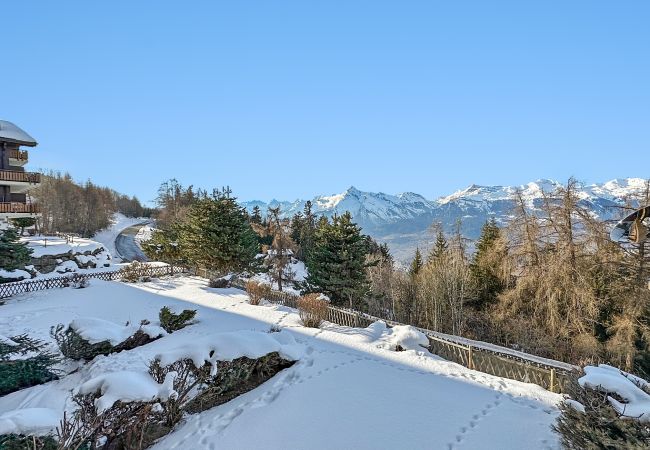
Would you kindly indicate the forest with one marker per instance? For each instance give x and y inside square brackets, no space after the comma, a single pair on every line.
[80,208]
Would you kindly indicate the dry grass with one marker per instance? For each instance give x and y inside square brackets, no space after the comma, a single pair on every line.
[312,309]
[257,291]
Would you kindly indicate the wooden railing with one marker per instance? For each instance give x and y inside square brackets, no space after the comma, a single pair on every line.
[21,155]
[482,356]
[15,207]
[24,177]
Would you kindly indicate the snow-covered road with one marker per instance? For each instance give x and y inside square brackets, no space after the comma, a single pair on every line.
[345,392]
[126,246]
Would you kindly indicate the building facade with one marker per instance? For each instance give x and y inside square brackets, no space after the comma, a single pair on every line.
[15,181]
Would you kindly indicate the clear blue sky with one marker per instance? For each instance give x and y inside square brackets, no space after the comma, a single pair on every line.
[291,99]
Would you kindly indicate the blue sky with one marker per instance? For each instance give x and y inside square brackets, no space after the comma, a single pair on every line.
[290,99]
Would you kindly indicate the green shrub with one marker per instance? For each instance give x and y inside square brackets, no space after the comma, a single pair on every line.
[173,322]
[16,374]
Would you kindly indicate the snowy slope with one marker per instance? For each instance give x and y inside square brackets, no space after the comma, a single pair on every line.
[347,390]
[403,220]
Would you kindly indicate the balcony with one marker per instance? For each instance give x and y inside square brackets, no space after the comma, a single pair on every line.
[19,181]
[18,208]
[18,157]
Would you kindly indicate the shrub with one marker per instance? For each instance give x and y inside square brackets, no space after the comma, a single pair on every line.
[219,283]
[134,272]
[257,291]
[132,425]
[173,322]
[16,374]
[74,346]
[312,309]
[599,426]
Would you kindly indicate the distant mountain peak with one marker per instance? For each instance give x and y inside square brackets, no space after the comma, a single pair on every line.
[403,220]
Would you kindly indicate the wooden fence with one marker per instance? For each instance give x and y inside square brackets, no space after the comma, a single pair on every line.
[144,270]
[481,356]
[484,357]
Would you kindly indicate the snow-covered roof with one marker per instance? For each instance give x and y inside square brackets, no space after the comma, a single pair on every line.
[11,133]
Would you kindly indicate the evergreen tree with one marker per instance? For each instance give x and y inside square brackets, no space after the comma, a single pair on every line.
[439,247]
[337,264]
[307,231]
[23,222]
[256,217]
[486,264]
[163,246]
[416,264]
[217,235]
[13,253]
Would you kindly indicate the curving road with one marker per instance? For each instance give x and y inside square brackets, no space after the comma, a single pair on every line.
[125,244]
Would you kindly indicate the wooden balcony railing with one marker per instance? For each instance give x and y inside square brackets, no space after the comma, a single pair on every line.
[14,207]
[24,177]
[21,155]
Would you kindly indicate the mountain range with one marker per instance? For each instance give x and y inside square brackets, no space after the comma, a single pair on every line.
[404,220]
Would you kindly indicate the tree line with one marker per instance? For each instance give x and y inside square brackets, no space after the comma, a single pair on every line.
[550,282]
[82,208]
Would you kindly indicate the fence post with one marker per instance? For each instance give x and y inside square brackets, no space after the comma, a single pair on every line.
[470,359]
[552,386]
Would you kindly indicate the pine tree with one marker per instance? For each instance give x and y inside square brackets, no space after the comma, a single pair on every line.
[439,247]
[217,235]
[307,230]
[416,264]
[485,267]
[23,222]
[13,253]
[256,217]
[163,246]
[337,264]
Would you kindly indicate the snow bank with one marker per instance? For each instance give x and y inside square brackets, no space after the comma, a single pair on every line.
[15,274]
[127,386]
[29,421]
[98,330]
[636,402]
[232,345]
[404,336]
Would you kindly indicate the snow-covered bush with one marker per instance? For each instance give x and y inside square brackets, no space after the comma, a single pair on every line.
[23,363]
[257,291]
[607,409]
[90,337]
[125,425]
[312,309]
[134,272]
[171,322]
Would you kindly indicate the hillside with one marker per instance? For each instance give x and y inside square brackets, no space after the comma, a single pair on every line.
[404,220]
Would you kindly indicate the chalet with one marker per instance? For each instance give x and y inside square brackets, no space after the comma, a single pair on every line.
[15,182]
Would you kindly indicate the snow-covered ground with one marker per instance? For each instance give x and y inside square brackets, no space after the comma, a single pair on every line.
[120,222]
[349,389]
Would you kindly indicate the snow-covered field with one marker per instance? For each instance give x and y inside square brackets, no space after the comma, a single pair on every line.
[348,389]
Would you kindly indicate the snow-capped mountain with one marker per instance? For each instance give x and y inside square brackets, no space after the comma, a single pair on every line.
[404,220]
